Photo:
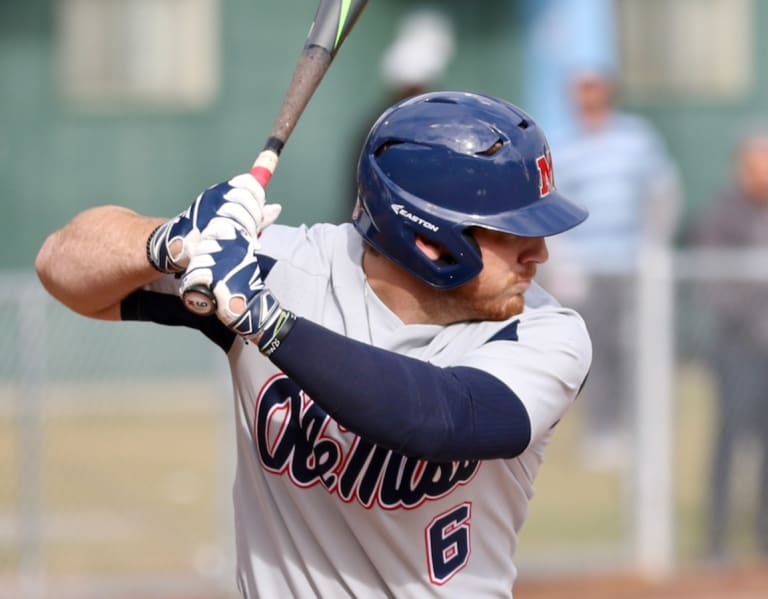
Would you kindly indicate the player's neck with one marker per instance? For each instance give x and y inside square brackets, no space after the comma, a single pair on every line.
[402,293]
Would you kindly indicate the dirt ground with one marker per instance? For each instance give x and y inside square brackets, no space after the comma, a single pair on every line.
[714,583]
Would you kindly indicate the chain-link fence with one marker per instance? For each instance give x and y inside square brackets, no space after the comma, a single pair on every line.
[115,456]
[116,447]
[675,476]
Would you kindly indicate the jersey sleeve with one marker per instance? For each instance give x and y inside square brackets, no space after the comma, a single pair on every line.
[544,360]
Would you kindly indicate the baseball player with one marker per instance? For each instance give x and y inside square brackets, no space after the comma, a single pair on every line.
[396,378]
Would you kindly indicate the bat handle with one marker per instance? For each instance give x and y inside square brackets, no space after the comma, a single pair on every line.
[264,166]
[199,300]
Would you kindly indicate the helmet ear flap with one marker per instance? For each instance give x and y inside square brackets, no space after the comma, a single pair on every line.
[470,239]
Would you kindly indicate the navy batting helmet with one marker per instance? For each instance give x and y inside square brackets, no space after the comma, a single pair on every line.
[437,164]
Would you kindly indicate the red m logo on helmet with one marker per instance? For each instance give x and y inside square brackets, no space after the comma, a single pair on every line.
[546,176]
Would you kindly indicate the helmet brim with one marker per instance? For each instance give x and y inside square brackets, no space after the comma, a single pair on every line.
[551,215]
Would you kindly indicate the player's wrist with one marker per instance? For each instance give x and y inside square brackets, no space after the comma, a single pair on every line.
[151,253]
[271,336]
[263,322]
[157,250]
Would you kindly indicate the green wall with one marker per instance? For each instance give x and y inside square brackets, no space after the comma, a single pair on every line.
[702,132]
[56,159]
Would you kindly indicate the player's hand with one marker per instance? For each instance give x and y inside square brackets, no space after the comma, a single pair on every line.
[227,264]
[241,200]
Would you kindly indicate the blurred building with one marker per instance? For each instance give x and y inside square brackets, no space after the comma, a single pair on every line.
[148,101]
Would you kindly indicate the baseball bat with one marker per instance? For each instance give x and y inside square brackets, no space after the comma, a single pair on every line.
[331,25]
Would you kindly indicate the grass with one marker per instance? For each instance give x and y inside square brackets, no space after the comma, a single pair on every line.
[132,491]
[579,509]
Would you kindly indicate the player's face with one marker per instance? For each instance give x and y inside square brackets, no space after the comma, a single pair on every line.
[509,265]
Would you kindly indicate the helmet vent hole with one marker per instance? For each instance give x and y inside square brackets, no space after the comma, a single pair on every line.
[492,150]
[523,124]
[385,146]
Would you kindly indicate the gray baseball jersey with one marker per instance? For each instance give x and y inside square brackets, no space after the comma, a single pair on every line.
[321,512]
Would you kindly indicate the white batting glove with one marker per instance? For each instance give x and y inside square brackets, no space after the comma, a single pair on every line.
[240,201]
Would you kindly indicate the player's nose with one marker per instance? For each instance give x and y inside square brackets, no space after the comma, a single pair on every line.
[534,251]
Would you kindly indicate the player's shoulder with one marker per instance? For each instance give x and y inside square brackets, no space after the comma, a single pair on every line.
[543,323]
[279,240]
[545,319]
[555,322]
[545,342]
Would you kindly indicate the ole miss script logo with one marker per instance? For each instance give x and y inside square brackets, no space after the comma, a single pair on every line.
[295,438]
[546,176]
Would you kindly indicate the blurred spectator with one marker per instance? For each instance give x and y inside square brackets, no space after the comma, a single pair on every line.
[414,63]
[738,219]
[617,166]
[419,55]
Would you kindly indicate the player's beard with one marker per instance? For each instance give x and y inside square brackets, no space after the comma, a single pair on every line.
[473,301]
[479,306]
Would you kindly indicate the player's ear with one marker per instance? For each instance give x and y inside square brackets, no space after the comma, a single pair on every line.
[438,253]
[431,250]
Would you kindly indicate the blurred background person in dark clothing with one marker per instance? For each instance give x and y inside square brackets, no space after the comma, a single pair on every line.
[737,219]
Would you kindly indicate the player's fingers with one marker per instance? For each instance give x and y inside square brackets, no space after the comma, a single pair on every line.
[247,182]
[246,213]
[199,273]
[181,248]
[269,215]
[223,229]
[204,247]
[235,289]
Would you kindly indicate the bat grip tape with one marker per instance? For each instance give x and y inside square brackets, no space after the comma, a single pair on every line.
[266,162]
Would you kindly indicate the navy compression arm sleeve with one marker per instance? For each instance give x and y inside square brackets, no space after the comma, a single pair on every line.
[404,404]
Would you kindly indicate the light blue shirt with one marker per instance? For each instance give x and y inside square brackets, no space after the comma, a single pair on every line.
[615,172]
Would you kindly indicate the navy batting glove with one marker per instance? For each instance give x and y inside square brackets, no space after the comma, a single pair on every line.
[227,264]
[241,200]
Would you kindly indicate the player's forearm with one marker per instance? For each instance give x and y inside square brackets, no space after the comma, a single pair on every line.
[97,259]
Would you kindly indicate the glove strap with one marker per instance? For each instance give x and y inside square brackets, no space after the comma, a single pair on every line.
[153,251]
[265,322]
[273,335]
